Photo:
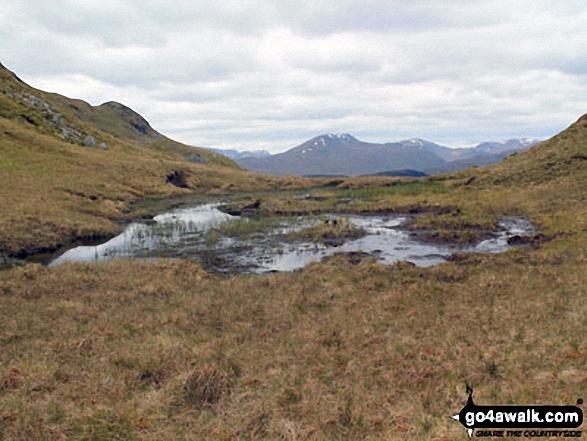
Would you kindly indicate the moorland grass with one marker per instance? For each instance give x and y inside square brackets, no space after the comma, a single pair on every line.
[329,232]
[52,191]
[162,350]
[344,349]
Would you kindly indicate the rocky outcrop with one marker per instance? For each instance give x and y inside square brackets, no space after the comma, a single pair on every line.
[54,120]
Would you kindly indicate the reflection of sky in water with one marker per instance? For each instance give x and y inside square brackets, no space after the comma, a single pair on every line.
[384,240]
[168,231]
[389,245]
[499,243]
[181,234]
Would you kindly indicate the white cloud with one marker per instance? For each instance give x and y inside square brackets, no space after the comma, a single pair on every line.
[269,74]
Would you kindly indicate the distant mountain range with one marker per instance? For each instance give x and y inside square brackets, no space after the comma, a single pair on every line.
[236,155]
[345,155]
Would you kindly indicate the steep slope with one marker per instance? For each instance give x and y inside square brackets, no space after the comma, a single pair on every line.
[78,122]
[70,170]
[563,157]
[344,155]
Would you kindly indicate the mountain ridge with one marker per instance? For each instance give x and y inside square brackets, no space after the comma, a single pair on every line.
[78,122]
[72,171]
[235,154]
[344,154]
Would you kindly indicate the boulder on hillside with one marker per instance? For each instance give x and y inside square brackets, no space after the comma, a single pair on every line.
[90,141]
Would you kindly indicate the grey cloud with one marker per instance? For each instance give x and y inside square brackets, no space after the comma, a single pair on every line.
[271,73]
[115,24]
[393,16]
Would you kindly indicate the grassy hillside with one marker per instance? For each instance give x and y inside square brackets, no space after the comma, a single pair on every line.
[349,349]
[346,349]
[55,189]
[563,156]
[74,120]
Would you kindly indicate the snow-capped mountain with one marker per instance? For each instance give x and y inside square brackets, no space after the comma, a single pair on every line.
[517,144]
[344,155]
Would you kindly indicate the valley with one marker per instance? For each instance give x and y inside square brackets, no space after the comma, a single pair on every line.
[341,348]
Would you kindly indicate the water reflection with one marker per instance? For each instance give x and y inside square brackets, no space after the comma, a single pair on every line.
[186,233]
[165,233]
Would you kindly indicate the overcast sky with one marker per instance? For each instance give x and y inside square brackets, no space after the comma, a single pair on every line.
[252,74]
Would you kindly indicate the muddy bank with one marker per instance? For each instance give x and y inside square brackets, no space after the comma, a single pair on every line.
[142,210]
[9,259]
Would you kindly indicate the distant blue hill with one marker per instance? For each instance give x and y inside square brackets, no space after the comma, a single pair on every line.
[235,154]
[345,155]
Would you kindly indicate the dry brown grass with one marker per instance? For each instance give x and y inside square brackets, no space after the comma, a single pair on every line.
[330,232]
[162,350]
[345,349]
[55,191]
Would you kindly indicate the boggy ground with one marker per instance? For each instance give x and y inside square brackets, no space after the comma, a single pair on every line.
[441,209]
[343,350]
[346,349]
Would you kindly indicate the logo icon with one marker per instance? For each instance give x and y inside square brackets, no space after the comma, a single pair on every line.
[474,417]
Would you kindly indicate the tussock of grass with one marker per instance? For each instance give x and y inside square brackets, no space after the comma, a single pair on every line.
[247,227]
[164,350]
[206,387]
[329,232]
[346,349]
[455,226]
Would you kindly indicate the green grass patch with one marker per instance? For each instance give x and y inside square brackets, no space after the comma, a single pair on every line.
[330,232]
[394,188]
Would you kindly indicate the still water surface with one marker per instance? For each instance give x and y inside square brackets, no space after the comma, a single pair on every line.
[197,233]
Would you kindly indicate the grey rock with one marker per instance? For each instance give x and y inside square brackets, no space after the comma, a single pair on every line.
[70,134]
[103,146]
[55,118]
[36,102]
[90,141]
